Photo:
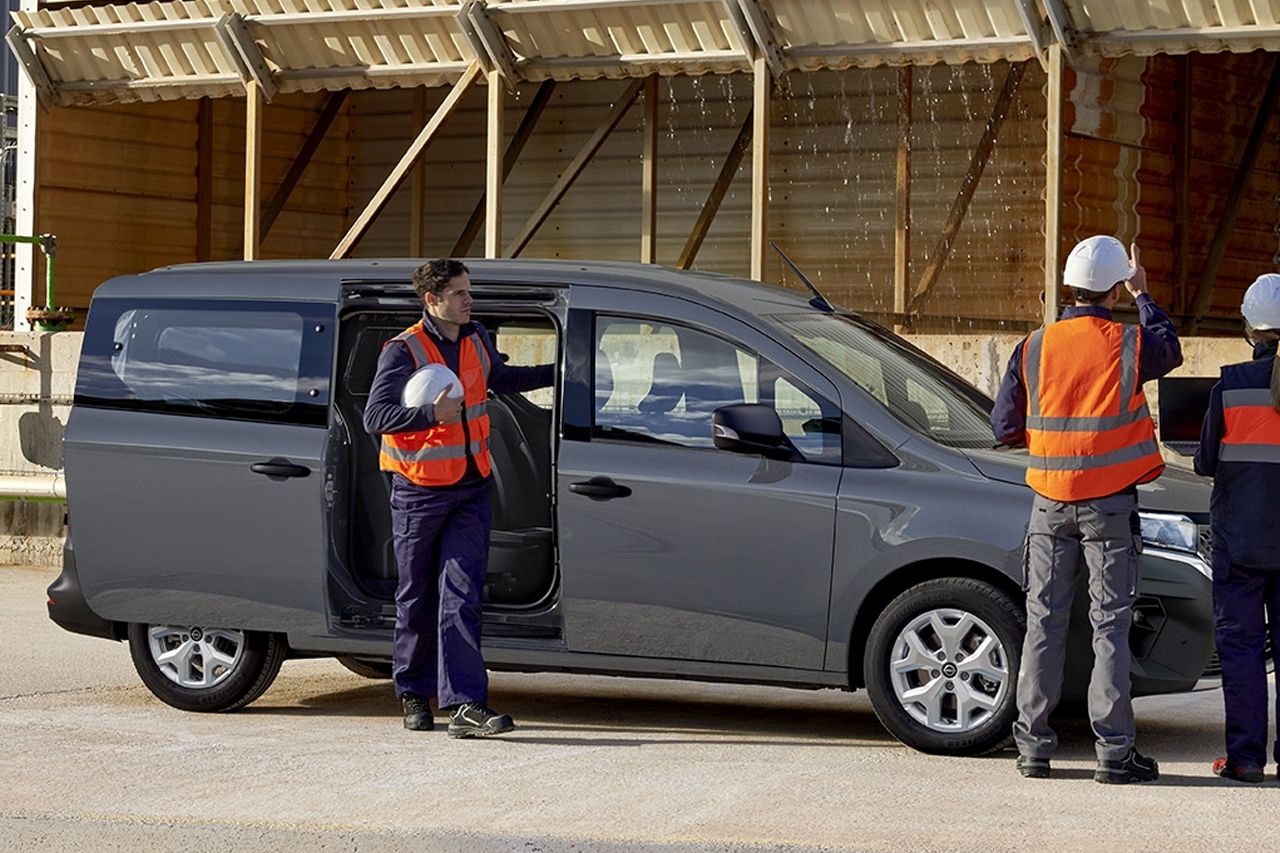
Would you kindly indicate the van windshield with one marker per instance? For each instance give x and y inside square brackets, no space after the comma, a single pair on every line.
[919,391]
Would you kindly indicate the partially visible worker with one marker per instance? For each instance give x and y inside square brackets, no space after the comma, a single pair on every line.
[1073,396]
[1240,449]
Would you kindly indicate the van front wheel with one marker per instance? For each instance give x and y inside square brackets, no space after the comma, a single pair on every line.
[941,666]
[195,668]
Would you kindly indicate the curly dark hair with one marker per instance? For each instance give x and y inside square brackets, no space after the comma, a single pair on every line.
[433,276]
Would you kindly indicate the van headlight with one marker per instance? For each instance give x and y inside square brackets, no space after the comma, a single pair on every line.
[1163,530]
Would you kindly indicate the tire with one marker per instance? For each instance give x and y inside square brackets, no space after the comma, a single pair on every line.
[172,661]
[368,667]
[953,690]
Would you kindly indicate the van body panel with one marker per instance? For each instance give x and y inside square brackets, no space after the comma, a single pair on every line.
[143,489]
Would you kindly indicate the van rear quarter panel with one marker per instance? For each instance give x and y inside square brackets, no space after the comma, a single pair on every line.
[172,527]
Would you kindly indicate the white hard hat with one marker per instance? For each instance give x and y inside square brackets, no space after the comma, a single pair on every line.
[1097,263]
[426,383]
[1261,305]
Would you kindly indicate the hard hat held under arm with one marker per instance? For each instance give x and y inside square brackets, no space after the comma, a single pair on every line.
[437,456]
[1089,431]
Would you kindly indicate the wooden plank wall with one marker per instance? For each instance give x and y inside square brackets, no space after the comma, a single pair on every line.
[118,186]
[118,183]
[832,160]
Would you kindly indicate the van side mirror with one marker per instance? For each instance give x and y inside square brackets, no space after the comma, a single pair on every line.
[751,428]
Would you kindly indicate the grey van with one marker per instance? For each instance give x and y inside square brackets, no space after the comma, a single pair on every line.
[728,482]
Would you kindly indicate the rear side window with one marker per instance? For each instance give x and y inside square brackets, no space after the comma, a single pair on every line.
[261,361]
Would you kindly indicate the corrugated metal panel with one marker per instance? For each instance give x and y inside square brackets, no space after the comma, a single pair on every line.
[1119,175]
[845,35]
[165,51]
[179,50]
[591,40]
[834,143]
[1145,28]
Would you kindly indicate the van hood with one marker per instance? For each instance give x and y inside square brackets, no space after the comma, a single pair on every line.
[1178,489]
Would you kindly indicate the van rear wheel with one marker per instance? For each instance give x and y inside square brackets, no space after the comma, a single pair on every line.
[941,666]
[195,668]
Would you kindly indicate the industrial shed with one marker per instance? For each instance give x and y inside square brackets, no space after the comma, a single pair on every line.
[927,162]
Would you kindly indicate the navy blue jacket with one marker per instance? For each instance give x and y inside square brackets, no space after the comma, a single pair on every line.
[384,413]
[1160,349]
[1245,494]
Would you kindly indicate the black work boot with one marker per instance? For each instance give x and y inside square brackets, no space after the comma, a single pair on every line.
[473,719]
[1032,768]
[1134,767]
[417,713]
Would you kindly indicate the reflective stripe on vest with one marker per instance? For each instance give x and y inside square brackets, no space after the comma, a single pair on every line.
[437,456]
[1089,430]
[1251,426]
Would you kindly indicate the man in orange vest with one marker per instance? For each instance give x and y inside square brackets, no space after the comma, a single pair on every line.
[438,454]
[1073,395]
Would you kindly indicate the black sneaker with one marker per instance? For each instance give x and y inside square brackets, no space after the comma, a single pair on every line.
[473,719]
[1032,768]
[1134,767]
[417,713]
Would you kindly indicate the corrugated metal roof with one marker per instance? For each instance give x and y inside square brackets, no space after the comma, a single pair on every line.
[188,48]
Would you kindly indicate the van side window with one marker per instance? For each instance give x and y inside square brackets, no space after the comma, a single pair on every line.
[251,360]
[659,382]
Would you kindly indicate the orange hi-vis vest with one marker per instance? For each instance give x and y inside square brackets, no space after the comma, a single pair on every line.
[1089,430]
[437,456]
[1251,426]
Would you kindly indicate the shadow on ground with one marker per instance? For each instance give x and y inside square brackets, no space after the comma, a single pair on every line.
[551,713]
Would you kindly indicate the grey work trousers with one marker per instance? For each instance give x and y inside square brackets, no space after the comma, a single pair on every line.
[1105,529]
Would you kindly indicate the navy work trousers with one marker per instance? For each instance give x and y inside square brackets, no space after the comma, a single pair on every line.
[442,550]
[1243,600]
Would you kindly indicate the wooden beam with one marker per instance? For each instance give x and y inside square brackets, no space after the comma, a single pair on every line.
[761,101]
[902,219]
[204,179]
[1218,248]
[418,183]
[968,186]
[1054,136]
[401,169]
[493,171]
[766,44]
[1182,186]
[649,175]
[514,148]
[574,169]
[330,111]
[252,166]
[718,191]
[232,30]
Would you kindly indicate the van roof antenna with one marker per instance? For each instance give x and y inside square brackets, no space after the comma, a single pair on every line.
[818,301]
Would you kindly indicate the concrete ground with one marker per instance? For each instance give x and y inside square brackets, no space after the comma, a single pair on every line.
[90,761]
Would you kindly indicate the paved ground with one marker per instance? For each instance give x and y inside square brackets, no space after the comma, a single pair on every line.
[91,762]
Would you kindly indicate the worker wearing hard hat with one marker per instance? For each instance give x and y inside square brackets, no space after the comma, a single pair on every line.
[1240,449]
[1073,395]
[435,442]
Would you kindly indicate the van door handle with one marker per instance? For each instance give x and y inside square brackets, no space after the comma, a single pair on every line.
[600,489]
[279,468]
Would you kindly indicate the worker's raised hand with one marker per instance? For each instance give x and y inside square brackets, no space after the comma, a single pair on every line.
[447,409]
[1137,283]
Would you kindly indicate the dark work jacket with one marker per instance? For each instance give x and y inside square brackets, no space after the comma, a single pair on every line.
[384,413]
[1245,494]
